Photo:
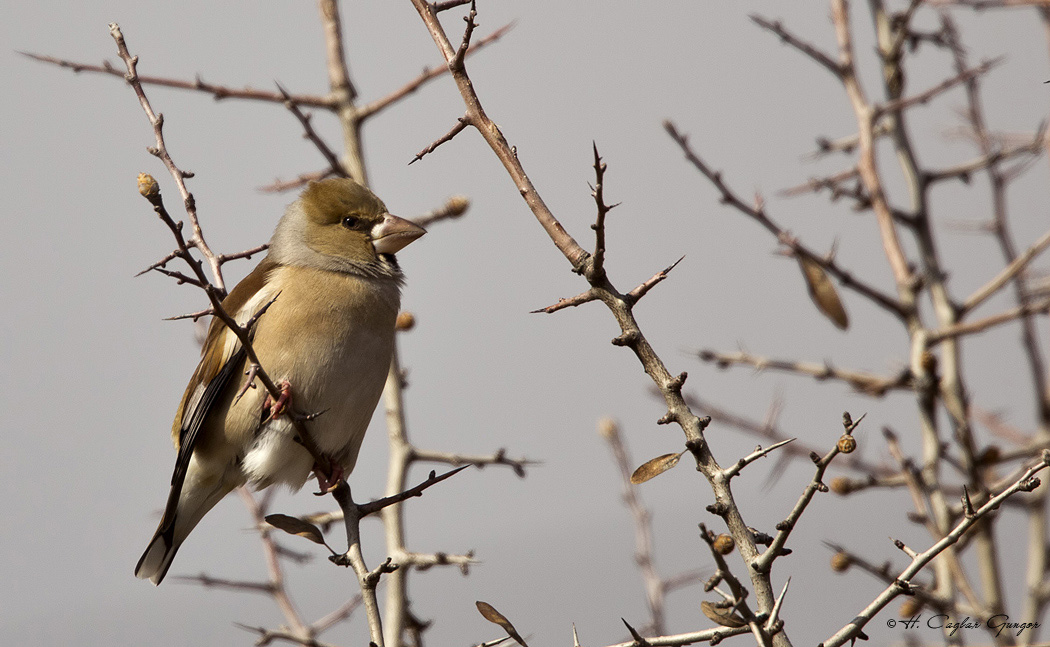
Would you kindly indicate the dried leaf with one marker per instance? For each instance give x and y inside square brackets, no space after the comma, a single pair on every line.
[489,613]
[823,292]
[655,467]
[721,616]
[296,526]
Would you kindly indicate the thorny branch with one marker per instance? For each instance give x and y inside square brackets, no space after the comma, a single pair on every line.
[621,306]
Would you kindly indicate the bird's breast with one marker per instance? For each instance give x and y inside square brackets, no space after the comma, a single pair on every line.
[330,336]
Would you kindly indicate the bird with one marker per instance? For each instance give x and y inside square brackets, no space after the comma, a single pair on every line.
[330,290]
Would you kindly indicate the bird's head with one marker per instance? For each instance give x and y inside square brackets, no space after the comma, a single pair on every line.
[339,225]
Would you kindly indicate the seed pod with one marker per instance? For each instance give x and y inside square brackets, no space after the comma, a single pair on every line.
[405,321]
[847,443]
[840,562]
[841,485]
[723,544]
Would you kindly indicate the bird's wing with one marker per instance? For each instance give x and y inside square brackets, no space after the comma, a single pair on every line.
[221,358]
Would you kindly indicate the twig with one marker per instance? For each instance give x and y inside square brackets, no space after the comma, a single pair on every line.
[218,91]
[461,124]
[643,531]
[428,74]
[923,97]
[334,166]
[1008,273]
[161,152]
[754,456]
[822,59]
[301,180]
[582,262]
[867,383]
[637,293]
[588,295]
[453,208]
[1026,483]
[517,465]
[757,213]
[972,327]
[784,528]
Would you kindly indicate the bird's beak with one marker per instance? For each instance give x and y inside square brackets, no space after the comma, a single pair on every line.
[393,233]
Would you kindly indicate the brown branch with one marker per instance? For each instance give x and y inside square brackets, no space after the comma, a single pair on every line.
[643,531]
[428,74]
[434,478]
[460,126]
[824,60]
[343,92]
[816,484]
[757,213]
[813,185]
[898,105]
[218,91]
[968,328]
[598,193]
[279,185]
[867,167]
[246,254]
[634,295]
[335,167]
[797,449]
[517,465]
[453,208]
[207,312]
[760,452]
[273,566]
[570,302]
[1008,273]
[448,4]
[901,584]
[993,157]
[631,334]
[208,582]
[161,152]
[867,383]
[477,118]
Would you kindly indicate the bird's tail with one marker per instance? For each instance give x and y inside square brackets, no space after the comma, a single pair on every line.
[186,506]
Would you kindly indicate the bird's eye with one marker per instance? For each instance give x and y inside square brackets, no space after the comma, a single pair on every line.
[350,222]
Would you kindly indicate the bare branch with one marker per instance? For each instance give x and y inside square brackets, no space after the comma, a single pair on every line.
[297,182]
[822,59]
[428,74]
[217,91]
[867,383]
[461,124]
[754,456]
[1026,483]
[335,167]
[634,295]
[757,213]
[957,330]
[570,302]
[923,97]
[1009,272]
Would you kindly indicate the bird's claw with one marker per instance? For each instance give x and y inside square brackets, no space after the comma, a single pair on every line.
[284,401]
[328,477]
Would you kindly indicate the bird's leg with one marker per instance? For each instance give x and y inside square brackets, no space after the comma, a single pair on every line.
[284,401]
[328,476]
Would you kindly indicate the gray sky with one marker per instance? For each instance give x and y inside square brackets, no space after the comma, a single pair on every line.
[92,374]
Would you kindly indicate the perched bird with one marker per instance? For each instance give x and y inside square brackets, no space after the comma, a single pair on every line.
[335,288]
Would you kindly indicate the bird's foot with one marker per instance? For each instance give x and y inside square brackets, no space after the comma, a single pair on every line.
[328,476]
[284,401]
